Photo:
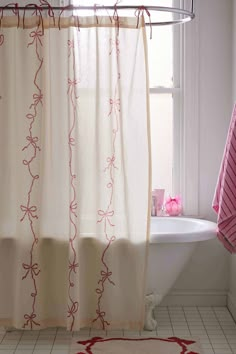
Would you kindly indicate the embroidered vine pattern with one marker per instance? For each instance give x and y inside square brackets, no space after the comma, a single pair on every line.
[29,211]
[105,216]
[73,305]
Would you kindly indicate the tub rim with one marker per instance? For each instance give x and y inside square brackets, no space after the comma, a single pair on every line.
[208,233]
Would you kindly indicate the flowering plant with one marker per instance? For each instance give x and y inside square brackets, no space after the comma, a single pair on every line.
[173,206]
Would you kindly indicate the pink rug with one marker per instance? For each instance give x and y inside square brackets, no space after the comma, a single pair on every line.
[172,345]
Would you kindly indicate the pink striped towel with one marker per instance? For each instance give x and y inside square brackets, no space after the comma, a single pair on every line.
[224,202]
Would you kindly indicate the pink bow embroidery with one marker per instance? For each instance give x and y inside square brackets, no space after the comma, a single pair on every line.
[32,141]
[36,36]
[101,315]
[30,319]
[37,98]
[111,163]
[106,276]
[33,268]
[105,215]
[28,211]
[114,105]
[71,84]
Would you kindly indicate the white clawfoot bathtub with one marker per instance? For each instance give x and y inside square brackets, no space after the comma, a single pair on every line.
[172,242]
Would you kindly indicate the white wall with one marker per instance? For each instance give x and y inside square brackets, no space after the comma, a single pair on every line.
[215,93]
[232,287]
[208,270]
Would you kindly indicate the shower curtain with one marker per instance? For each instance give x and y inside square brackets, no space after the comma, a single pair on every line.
[74,172]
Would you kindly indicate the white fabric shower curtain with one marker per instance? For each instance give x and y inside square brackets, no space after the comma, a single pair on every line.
[74,172]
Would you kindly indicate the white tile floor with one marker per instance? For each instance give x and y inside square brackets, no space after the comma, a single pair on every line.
[214,327]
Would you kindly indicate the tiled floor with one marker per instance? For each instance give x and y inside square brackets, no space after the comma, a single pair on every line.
[213,326]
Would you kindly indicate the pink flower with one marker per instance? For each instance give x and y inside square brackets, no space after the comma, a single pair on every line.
[173,206]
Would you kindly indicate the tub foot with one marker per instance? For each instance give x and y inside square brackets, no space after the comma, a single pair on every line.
[9,329]
[151,302]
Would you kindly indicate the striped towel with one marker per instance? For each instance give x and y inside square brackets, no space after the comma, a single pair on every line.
[224,202]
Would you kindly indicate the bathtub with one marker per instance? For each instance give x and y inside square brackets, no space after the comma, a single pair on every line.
[172,243]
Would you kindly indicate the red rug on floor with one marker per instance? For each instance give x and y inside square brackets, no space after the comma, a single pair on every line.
[172,345]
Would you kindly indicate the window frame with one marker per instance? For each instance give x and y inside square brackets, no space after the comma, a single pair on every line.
[177,94]
[190,140]
[185,93]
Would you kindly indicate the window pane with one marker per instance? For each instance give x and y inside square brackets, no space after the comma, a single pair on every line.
[160,47]
[161,106]
[160,56]
[155,15]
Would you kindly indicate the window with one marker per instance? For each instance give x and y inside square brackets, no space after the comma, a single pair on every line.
[166,66]
[174,85]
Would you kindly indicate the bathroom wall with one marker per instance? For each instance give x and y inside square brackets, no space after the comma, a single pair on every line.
[206,279]
[232,287]
[232,284]
[211,271]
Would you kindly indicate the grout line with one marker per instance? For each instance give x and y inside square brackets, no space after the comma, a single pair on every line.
[191,332]
[186,320]
[156,324]
[203,324]
[36,342]
[234,319]
[54,340]
[170,319]
[222,328]
[19,341]
[3,337]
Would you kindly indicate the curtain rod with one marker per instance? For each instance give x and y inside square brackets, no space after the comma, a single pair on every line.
[187,15]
